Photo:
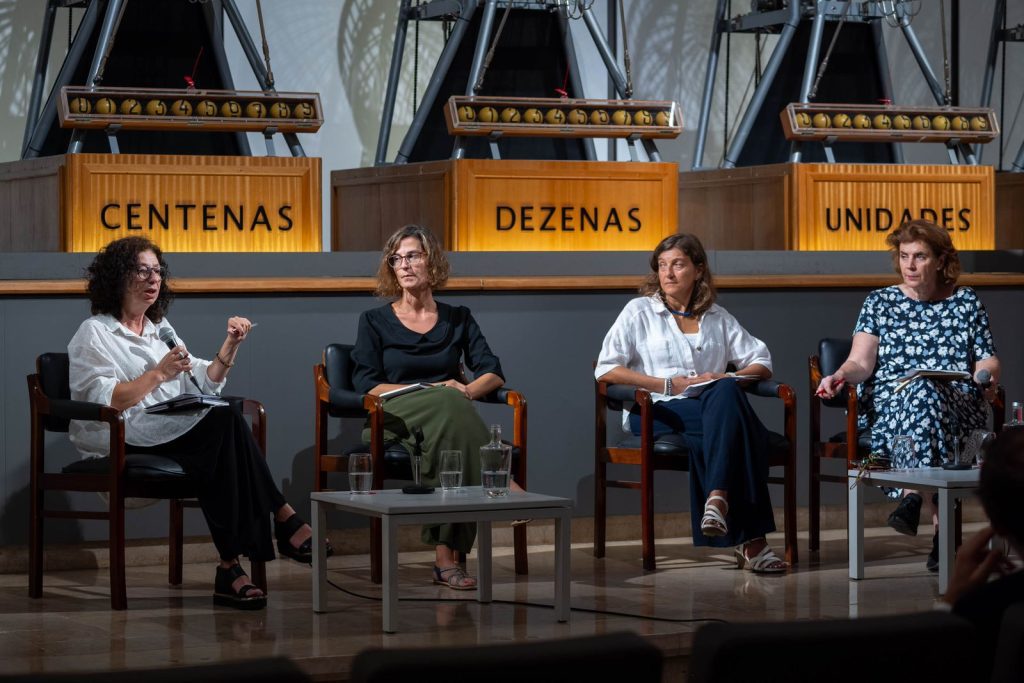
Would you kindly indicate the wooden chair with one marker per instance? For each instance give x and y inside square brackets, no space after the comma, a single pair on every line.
[120,475]
[336,397]
[669,452]
[848,444]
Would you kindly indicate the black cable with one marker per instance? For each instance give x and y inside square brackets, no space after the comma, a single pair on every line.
[535,604]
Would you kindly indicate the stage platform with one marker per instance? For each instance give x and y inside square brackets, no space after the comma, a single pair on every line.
[73,629]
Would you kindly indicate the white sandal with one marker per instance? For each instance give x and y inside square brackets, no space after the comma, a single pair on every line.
[765,562]
[713,523]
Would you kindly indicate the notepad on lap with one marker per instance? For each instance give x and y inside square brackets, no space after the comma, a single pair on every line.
[405,390]
[186,403]
[928,373]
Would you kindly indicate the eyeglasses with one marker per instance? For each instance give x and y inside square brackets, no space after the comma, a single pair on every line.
[412,258]
[143,273]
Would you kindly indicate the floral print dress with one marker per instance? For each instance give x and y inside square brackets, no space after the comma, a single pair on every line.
[952,334]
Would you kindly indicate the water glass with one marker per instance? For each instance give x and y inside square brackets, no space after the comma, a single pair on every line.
[451,470]
[902,451]
[360,473]
[495,464]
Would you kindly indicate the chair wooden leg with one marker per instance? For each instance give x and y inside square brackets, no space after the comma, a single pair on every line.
[520,547]
[814,503]
[789,515]
[35,545]
[176,544]
[376,574]
[118,589]
[600,507]
[647,518]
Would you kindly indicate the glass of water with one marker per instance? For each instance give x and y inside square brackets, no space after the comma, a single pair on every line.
[495,463]
[451,470]
[360,473]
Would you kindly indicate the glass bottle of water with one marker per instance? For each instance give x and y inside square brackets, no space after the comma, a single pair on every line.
[495,459]
[1016,416]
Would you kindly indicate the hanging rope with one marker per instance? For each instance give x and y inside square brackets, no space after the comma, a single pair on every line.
[490,51]
[416,59]
[625,52]
[266,46]
[946,96]
[1002,95]
[728,61]
[70,12]
[828,53]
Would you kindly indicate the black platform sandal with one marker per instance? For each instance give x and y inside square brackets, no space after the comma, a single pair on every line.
[225,595]
[283,532]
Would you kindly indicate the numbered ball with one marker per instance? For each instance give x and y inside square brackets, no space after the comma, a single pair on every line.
[979,123]
[642,117]
[662,118]
[510,115]
[79,105]
[599,117]
[255,110]
[861,121]
[555,117]
[466,113]
[303,110]
[105,105]
[940,122]
[130,107]
[621,117]
[882,121]
[532,115]
[280,110]
[206,108]
[842,121]
[901,122]
[960,123]
[577,117]
[803,119]
[156,108]
[488,114]
[231,109]
[922,123]
[822,120]
[181,108]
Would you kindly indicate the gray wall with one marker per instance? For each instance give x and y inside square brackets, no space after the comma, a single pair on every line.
[546,341]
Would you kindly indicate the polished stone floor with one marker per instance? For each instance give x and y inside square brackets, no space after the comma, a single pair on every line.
[72,627]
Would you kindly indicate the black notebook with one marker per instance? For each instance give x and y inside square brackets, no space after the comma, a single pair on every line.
[187,403]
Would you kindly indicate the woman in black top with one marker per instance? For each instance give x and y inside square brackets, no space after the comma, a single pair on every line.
[417,339]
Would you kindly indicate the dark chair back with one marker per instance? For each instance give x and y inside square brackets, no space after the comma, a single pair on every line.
[338,369]
[1008,665]
[55,380]
[831,354]
[934,646]
[615,656]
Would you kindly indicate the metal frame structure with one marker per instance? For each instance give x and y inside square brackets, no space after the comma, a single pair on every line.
[462,12]
[38,124]
[1000,35]
[784,22]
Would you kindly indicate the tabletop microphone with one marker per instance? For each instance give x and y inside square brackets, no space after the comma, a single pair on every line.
[167,337]
[983,378]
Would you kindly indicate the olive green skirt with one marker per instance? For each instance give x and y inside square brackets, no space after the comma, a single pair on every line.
[449,423]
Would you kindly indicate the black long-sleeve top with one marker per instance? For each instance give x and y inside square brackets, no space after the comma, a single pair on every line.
[388,352]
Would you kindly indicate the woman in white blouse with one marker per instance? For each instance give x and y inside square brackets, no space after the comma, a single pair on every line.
[118,358]
[671,341]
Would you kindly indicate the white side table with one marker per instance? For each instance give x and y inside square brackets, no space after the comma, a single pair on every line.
[468,504]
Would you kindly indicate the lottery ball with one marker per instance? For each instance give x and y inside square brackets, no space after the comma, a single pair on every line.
[620,117]
[303,110]
[979,123]
[510,115]
[577,117]
[105,105]
[255,110]
[280,110]
[156,108]
[842,121]
[599,117]
[822,120]
[901,122]
[960,123]
[803,119]
[231,109]
[861,121]
[882,121]
[130,106]
[206,108]
[662,118]
[555,117]
[181,108]
[940,122]
[466,113]
[79,105]
[532,115]
[922,123]
[488,114]
[642,117]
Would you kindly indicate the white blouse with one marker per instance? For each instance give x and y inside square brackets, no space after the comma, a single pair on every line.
[104,353]
[646,339]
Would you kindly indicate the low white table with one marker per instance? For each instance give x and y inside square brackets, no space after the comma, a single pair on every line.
[468,504]
[950,484]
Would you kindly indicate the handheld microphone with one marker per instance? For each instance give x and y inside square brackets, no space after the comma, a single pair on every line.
[983,378]
[167,337]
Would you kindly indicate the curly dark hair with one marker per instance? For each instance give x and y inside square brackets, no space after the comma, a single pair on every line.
[704,293]
[113,271]
[437,262]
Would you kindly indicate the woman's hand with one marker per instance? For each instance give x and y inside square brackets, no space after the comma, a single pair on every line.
[238,328]
[173,364]
[457,385]
[830,386]
[680,382]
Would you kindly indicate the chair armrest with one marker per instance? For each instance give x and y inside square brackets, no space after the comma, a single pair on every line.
[343,399]
[626,393]
[769,388]
[80,410]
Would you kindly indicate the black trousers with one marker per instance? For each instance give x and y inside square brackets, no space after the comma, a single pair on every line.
[236,491]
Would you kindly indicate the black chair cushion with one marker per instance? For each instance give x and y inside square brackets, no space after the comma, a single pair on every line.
[831,354]
[338,367]
[54,378]
[136,466]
